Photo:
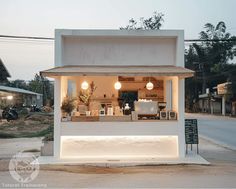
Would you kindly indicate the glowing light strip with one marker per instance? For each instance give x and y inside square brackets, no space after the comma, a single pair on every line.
[119,137]
[126,139]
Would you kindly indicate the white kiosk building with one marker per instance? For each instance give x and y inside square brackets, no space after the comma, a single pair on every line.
[127,91]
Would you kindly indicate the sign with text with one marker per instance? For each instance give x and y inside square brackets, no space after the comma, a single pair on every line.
[191,131]
[224,88]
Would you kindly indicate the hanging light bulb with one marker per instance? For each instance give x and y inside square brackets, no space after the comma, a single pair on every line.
[85,85]
[149,85]
[117,85]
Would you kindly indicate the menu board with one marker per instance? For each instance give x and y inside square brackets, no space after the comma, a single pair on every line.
[191,131]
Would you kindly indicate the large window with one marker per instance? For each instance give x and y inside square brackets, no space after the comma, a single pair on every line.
[116,98]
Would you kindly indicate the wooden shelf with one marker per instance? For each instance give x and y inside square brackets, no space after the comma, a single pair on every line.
[124,118]
[154,98]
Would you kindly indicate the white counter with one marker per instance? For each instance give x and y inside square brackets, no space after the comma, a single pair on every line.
[160,127]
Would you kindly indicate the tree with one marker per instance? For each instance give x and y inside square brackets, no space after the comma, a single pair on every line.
[18,83]
[43,86]
[152,23]
[192,85]
[210,59]
[214,55]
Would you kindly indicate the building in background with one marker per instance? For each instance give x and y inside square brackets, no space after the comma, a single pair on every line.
[215,101]
[11,96]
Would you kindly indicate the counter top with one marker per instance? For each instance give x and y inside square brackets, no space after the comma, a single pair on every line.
[106,118]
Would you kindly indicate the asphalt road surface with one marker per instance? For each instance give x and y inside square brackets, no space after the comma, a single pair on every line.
[219,129]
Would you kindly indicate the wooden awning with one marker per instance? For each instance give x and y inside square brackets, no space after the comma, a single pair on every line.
[118,71]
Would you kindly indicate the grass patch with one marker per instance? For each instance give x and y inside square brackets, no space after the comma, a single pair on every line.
[27,135]
[36,134]
[7,135]
[31,125]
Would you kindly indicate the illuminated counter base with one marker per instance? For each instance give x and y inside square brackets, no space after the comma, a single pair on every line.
[119,146]
[119,140]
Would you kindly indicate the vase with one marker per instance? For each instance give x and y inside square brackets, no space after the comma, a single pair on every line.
[68,117]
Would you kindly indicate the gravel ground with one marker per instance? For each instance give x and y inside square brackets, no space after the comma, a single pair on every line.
[9,147]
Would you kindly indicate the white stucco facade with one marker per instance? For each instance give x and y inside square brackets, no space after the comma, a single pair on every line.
[162,138]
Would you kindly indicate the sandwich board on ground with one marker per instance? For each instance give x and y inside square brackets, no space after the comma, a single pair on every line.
[191,133]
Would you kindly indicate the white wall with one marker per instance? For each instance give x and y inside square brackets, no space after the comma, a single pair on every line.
[118,51]
[103,84]
[167,128]
[175,94]
[168,93]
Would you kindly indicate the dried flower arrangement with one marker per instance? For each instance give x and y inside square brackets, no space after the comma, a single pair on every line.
[85,95]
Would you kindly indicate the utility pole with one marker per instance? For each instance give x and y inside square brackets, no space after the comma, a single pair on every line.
[202,69]
[203,78]
[203,74]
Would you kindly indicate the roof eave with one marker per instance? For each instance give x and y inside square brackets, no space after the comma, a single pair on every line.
[56,74]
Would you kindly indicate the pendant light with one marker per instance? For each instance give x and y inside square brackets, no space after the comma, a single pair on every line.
[117,85]
[149,85]
[85,85]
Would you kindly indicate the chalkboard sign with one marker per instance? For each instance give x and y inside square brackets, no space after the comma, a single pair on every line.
[191,131]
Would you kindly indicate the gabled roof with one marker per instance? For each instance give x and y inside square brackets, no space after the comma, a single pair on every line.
[17,90]
[3,70]
[94,70]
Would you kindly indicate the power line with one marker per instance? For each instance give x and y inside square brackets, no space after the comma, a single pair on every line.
[51,38]
[208,40]
[20,40]
[26,37]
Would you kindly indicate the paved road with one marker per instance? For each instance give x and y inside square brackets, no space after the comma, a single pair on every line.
[219,129]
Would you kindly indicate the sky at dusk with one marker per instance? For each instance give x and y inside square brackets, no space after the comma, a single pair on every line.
[24,58]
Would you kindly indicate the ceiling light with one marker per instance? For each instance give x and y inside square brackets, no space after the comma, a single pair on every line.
[117,85]
[149,85]
[85,85]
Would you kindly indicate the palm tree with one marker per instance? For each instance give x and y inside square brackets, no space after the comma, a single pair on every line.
[214,32]
[214,53]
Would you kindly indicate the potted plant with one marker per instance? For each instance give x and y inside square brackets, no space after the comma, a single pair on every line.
[47,148]
[68,105]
